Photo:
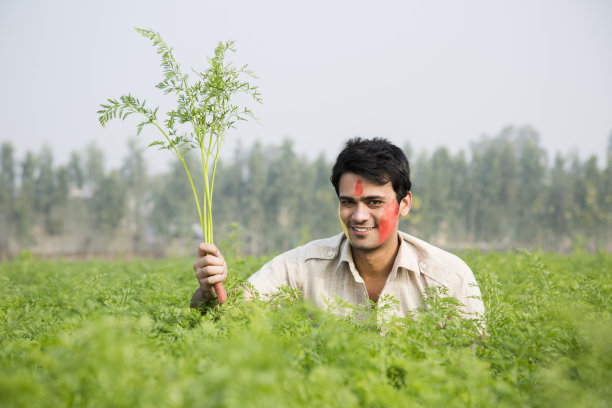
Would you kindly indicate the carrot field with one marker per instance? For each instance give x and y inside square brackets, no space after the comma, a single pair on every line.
[121,334]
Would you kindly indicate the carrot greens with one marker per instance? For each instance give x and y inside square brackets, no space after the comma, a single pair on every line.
[206,107]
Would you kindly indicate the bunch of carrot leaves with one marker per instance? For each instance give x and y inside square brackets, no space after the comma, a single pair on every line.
[206,105]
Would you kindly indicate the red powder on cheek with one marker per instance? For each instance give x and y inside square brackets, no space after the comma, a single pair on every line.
[358,188]
[387,222]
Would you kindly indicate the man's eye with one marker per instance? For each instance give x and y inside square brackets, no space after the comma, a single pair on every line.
[376,202]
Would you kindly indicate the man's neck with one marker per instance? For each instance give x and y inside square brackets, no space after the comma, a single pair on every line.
[376,264]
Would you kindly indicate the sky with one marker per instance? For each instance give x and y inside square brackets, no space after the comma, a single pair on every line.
[430,73]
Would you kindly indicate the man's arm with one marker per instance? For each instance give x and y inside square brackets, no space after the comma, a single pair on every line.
[198,298]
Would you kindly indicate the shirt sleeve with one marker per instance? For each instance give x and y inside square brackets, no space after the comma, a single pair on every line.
[471,297]
[281,271]
[467,292]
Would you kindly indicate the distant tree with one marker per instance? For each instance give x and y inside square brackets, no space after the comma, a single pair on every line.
[484,195]
[575,192]
[287,186]
[109,201]
[55,220]
[606,197]
[530,197]
[134,174]
[277,198]
[230,199]
[94,173]
[254,213]
[586,189]
[458,198]
[24,211]
[322,201]
[558,204]
[172,215]
[508,187]
[7,196]
[94,167]
[420,190]
[269,198]
[7,178]
[407,148]
[44,186]
[592,214]
[76,175]
[437,202]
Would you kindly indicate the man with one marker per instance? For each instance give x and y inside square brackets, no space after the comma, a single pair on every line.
[371,258]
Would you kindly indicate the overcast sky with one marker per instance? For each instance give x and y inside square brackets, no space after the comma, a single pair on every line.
[434,73]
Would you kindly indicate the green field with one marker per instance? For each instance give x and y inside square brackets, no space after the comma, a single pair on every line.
[120,333]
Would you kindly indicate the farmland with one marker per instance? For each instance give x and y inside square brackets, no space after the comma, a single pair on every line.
[120,333]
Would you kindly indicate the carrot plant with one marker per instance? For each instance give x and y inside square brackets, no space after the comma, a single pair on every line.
[207,110]
[120,334]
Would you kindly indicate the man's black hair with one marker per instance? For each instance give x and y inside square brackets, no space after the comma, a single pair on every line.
[376,159]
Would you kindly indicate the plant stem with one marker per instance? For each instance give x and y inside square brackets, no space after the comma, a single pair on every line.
[181,158]
[207,191]
[195,193]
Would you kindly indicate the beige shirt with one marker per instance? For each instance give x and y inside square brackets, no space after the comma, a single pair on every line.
[324,269]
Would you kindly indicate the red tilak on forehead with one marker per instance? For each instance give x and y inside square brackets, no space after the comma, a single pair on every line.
[358,188]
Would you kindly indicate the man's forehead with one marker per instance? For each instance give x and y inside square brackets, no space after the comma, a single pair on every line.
[353,178]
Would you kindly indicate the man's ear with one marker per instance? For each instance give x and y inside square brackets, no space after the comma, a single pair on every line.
[405,204]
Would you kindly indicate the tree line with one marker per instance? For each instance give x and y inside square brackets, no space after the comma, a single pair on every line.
[504,192]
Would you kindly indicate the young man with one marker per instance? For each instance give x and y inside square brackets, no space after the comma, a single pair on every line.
[371,258]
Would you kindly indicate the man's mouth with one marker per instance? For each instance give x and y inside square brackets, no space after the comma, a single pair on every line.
[362,229]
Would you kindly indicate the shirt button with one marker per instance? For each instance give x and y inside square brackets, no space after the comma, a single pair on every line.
[423,265]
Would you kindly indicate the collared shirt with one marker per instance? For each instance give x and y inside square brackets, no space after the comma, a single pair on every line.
[324,270]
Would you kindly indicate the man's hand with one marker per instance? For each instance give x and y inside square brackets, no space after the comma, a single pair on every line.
[210,269]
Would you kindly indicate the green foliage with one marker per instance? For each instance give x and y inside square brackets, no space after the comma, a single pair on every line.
[24,212]
[109,202]
[280,198]
[508,195]
[206,105]
[7,195]
[121,334]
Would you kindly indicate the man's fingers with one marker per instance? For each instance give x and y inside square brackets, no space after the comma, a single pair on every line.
[215,279]
[205,248]
[209,271]
[210,268]
[208,260]
[213,260]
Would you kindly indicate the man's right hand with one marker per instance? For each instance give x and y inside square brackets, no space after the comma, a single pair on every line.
[210,268]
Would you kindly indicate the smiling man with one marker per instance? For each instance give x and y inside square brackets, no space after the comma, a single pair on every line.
[371,258]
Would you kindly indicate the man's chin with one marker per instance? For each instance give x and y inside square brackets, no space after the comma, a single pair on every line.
[362,246]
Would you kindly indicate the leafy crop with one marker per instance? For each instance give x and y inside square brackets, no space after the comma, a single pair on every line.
[206,105]
[121,334]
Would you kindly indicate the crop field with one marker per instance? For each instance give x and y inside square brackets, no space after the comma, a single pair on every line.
[121,334]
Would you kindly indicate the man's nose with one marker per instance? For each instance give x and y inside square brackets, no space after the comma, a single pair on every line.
[360,214]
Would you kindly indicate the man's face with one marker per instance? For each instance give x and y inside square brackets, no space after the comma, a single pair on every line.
[369,212]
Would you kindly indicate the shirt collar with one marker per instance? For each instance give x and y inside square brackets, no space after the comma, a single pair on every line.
[406,258]
[347,256]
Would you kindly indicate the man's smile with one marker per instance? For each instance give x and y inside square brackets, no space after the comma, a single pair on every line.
[362,229]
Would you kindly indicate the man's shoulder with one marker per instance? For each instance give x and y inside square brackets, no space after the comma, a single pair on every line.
[436,263]
[295,259]
[325,248]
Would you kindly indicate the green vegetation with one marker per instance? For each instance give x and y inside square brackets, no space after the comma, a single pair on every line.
[120,333]
[207,106]
[506,192]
